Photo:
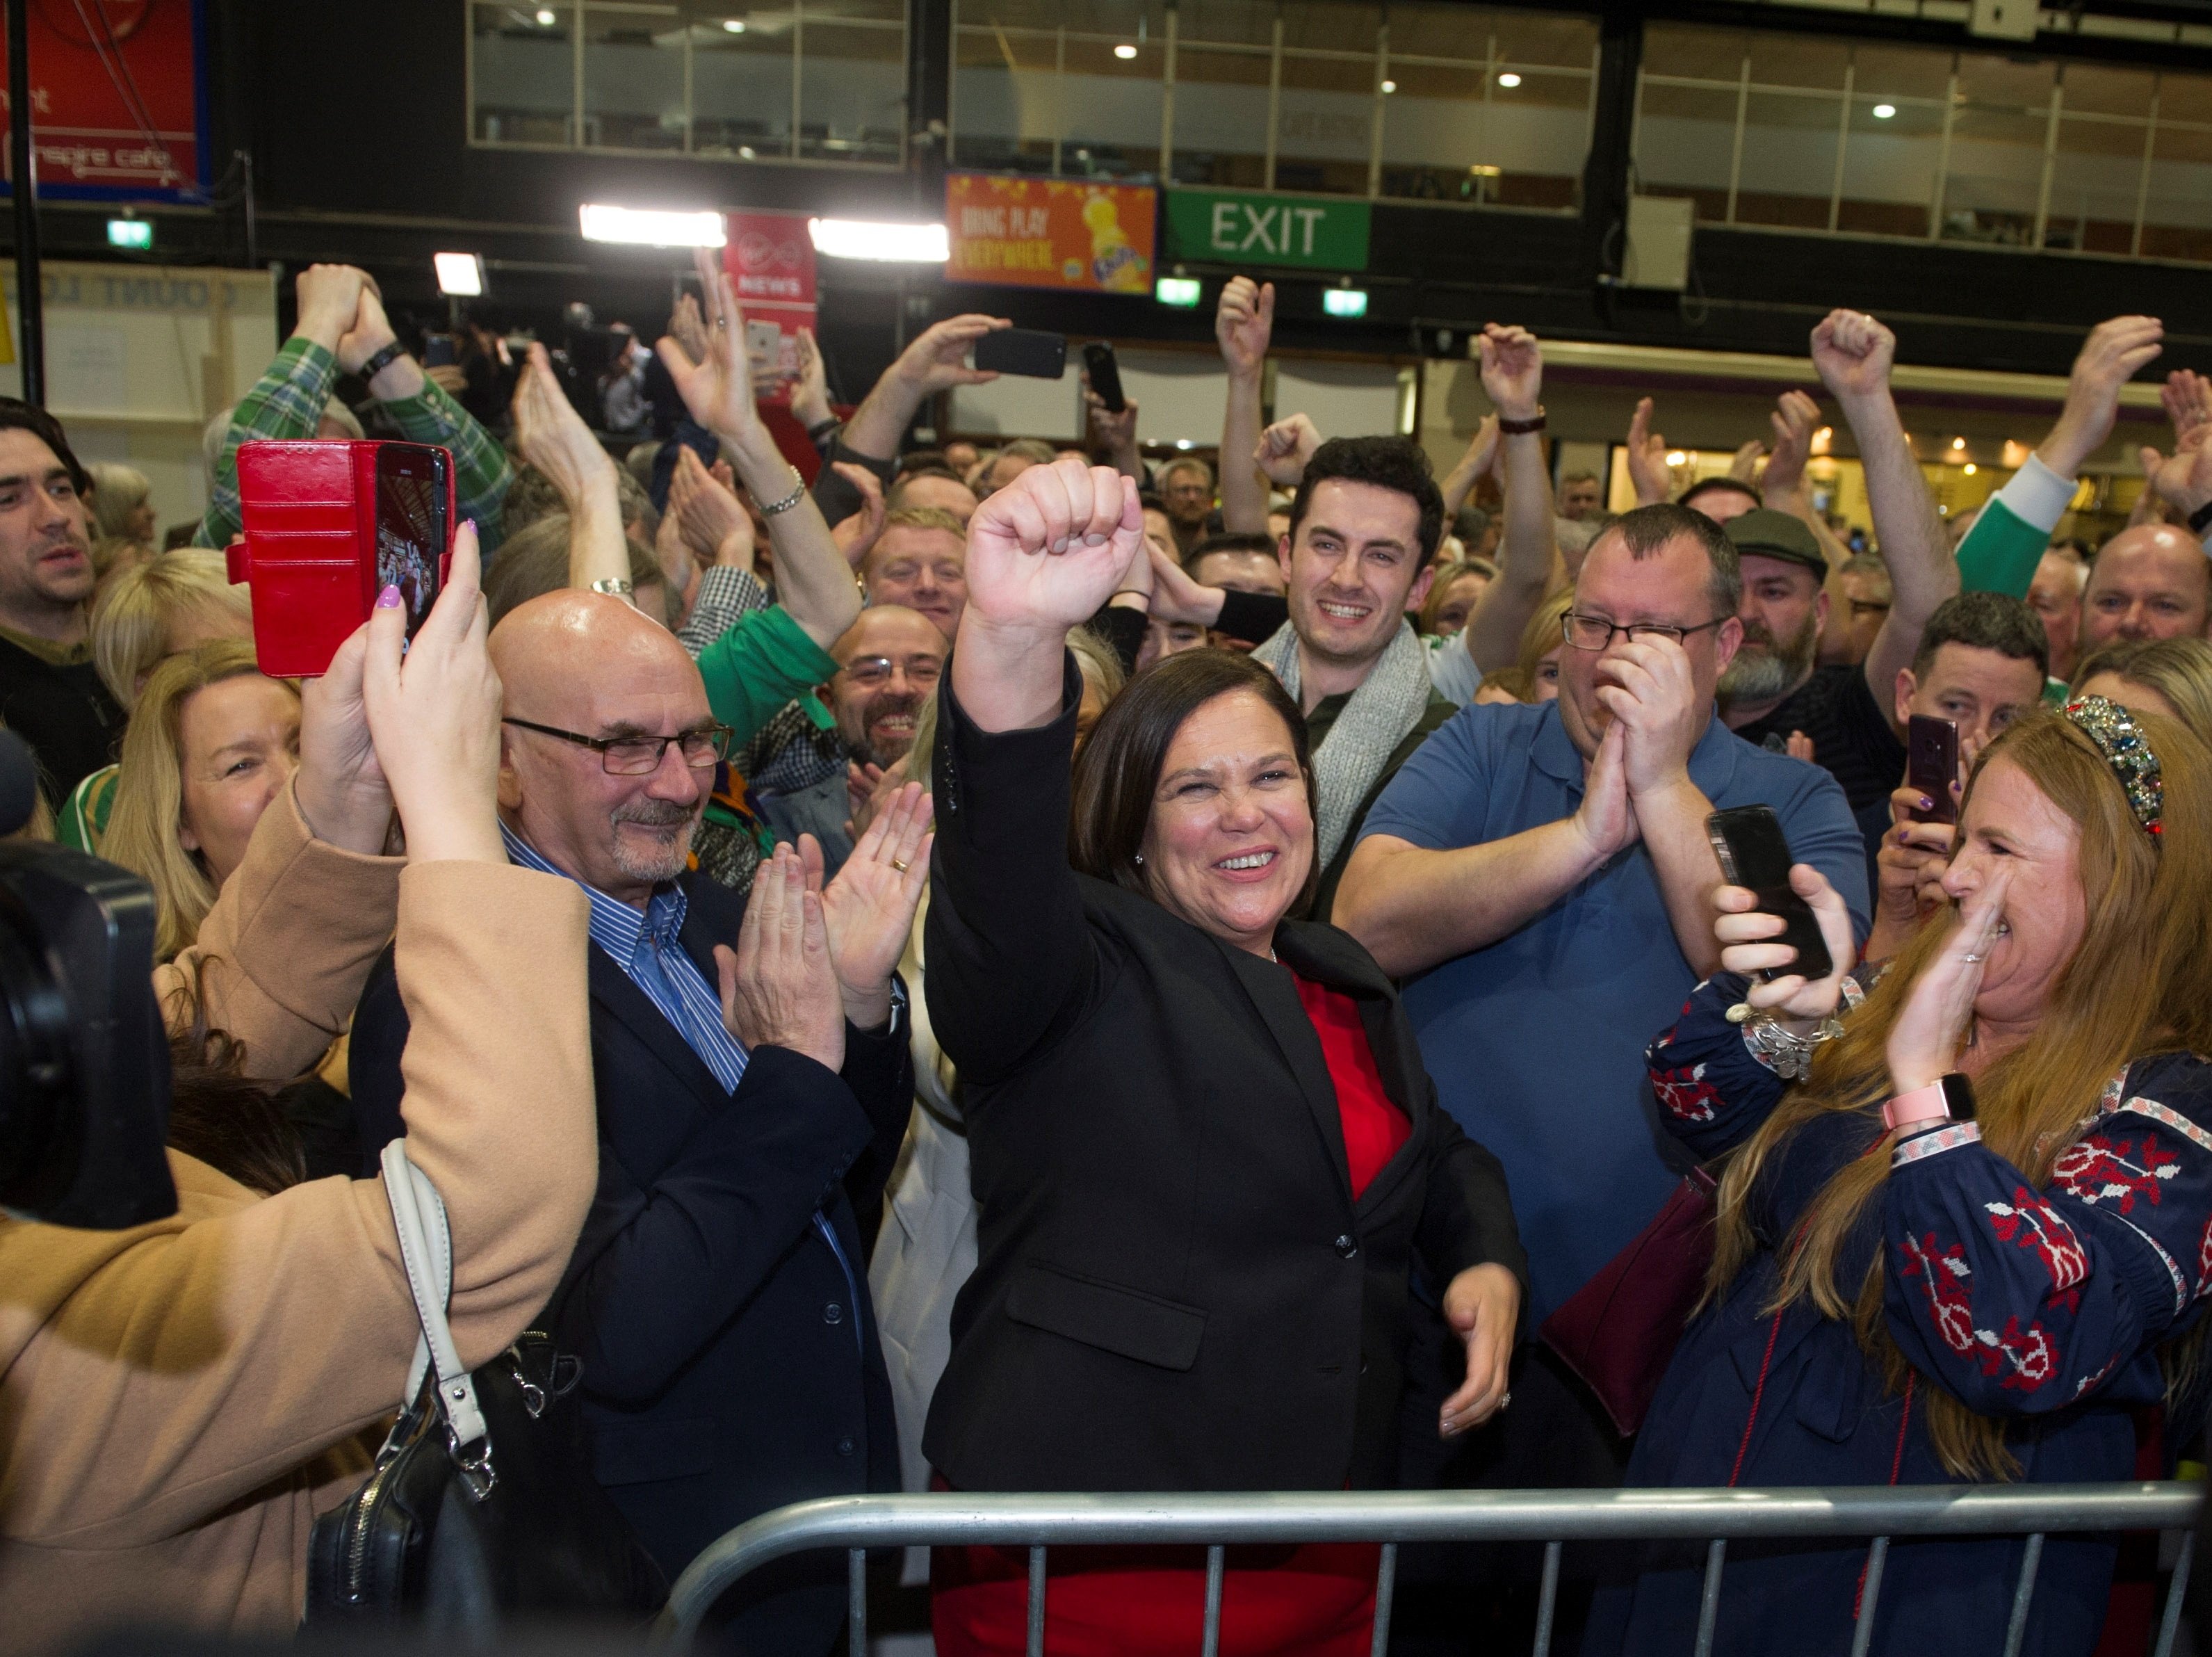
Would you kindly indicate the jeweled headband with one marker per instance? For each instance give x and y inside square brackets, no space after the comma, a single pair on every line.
[2120,739]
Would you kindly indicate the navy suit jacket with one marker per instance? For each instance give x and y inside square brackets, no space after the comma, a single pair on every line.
[730,1360]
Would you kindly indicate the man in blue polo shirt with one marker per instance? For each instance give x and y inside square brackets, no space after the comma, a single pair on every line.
[1542,877]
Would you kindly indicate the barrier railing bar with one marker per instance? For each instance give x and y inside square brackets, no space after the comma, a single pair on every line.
[1214,1557]
[2016,1630]
[2170,1623]
[1709,1601]
[856,1600]
[1036,1603]
[1386,1591]
[858,1523]
[1869,1596]
[1547,1597]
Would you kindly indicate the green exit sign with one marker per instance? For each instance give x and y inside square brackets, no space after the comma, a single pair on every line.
[1240,228]
[134,233]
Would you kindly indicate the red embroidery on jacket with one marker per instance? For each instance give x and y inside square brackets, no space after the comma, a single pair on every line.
[2026,1358]
[2034,1224]
[2104,1169]
[1686,1094]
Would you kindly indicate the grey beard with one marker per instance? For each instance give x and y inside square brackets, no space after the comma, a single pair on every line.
[1770,673]
[655,870]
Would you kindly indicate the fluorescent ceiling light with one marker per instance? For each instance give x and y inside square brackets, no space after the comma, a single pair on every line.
[1125,51]
[545,18]
[460,275]
[1344,302]
[1179,291]
[1883,112]
[1390,85]
[1509,80]
[652,228]
[909,244]
[734,25]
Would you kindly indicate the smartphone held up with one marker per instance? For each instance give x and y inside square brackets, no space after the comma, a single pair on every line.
[327,525]
[1754,853]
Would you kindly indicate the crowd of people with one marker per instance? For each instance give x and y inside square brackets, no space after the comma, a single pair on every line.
[1017,968]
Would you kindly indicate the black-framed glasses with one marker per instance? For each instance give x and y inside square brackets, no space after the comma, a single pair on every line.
[1595,632]
[702,747]
[870,672]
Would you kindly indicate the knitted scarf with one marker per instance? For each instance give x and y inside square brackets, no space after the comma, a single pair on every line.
[1383,711]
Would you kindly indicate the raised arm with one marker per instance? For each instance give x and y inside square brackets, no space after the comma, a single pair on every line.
[1043,554]
[1647,457]
[1242,325]
[813,581]
[1458,485]
[552,436]
[1513,376]
[932,363]
[1853,353]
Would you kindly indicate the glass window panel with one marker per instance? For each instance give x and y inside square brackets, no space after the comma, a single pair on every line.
[1006,107]
[2178,217]
[1328,26]
[1788,159]
[1221,118]
[2093,180]
[1684,141]
[741,86]
[1792,60]
[1527,39]
[1139,20]
[1889,165]
[1997,151]
[1436,130]
[1702,54]
[1112,111]
[1324,130]
[1459,32]
[633,79]
[1898,73]
[525,75]
[1249,23]
[2096,89]
[2184,97]
[852,89]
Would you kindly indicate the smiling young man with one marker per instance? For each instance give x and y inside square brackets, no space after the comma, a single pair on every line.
[50,695]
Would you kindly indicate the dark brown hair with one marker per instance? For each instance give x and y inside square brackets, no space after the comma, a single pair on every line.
[1119,770]
[221,1117]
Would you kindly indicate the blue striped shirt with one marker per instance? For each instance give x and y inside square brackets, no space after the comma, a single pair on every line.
[646,944]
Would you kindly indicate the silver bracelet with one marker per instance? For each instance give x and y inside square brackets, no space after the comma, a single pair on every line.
[1789,1056]
[796,495]
[616,586]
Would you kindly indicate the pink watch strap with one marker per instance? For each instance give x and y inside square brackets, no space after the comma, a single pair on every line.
[1922,1104]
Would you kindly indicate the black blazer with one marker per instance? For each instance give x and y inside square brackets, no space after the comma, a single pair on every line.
[1173,1287]
[731,1363]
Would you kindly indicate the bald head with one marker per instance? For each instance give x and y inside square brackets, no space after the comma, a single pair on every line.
[889,663]
[2150,582]
[590,666]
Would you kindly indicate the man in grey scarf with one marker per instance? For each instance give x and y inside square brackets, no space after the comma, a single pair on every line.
[1364,526]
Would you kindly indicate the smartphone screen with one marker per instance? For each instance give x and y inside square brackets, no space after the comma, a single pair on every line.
[1105,374]
[410,525]
[1028,351]
[1931,765]
[1754,853]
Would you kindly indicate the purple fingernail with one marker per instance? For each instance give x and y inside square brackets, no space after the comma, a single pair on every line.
[1926,804]
[388,598]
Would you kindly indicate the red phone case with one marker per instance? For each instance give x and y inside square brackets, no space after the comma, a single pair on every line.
[308,548]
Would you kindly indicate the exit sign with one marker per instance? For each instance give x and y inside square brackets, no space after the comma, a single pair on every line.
[1237,227]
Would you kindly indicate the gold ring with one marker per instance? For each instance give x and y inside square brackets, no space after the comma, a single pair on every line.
[901,865]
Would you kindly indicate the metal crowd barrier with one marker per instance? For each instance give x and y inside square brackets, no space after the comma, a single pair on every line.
[856,1523]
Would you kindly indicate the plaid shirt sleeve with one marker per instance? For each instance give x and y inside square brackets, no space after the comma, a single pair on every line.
[724,594]
[286,402]
[482,471]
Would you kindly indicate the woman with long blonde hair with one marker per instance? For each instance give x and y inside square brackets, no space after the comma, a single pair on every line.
[1965,1216]
[210,743]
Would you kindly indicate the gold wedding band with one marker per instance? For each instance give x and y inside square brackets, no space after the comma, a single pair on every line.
[901,865]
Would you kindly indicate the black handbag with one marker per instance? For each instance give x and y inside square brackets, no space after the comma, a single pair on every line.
[481,1507]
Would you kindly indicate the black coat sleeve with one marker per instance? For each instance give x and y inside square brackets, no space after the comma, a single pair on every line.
[837,498]
[660,1269]
[1012,962]
[1123,629]
[1255,618]
[1467,1220]
[373,1074]
[879,1070]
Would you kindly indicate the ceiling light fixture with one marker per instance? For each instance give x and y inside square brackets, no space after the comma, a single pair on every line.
[1390,85]
[897,244]
[1883,112]
[734,25]
[461,275]
[1509,80]
[1125,51]
[546,18]
[645,227]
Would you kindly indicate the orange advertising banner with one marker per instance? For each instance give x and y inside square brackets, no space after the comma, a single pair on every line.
[1049,232]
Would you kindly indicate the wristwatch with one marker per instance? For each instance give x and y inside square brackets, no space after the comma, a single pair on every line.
[383,360]
[1949,1099]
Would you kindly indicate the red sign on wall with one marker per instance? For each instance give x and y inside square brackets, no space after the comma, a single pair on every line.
[770,259]
[118,108]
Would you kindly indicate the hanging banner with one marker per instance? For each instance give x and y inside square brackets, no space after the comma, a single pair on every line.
[1049,232]
[1319,233]
[119,100]
[770,259]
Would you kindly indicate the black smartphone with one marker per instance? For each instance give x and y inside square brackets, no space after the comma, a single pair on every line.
[438,351]
[1027,351]
[1105,374]
[411,491]
[1749,842]
[1931,764]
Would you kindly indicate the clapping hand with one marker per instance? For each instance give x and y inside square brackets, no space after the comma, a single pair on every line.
[779,987]
[1047,550]
[1647,457]
[855,534]
[715,522]
[1647,686]
[1923,1042]
[2109,358]
[870,907]
[552,436]
[717,386]
[810,392]
[1743,930]
[1853,353]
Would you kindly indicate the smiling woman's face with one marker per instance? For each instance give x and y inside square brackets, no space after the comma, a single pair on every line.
[2011,824]
[1231,836]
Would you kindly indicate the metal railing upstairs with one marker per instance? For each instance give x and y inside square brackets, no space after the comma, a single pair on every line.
[855,1525]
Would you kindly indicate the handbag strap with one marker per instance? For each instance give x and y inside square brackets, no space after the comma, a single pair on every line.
[426,1250]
